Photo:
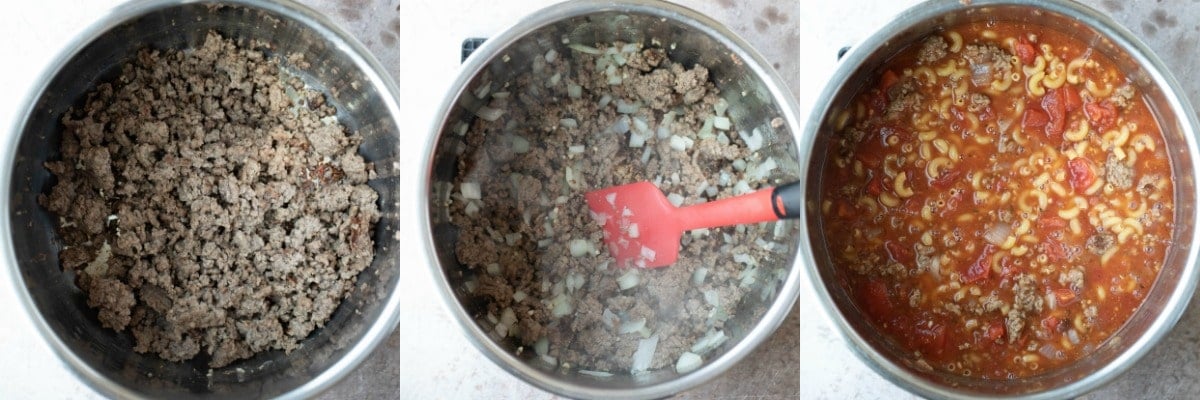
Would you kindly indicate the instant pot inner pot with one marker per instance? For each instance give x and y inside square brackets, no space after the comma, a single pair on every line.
[887,356]
[751,107]
[101,353]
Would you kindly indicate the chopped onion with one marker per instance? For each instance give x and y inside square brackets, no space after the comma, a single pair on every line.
[554,80]
[712,298]
[996,233]
[664,127]
[744,259]
[569,123]
[621,126]
[609,319]
[711,191]
[576,149]
[472,208]
[632,326]
[598,374]
[706,130]
[675,198]
[574,91]
[722,139]
[720,107]
[648,253]
[763,170]
[508,317]
[489,114]
[542,346]
[611,198]
[698,275]
[646,151]
[471,191]
[551,56]
[633,231]
[628,280]
[739,165]
[710,341]
[584,49]
[628,108]
[640,126]
[742,188]
[604,100]
[550,360]
[561,306]
[721,123]
[519,296]
[619,58]
[493,269]
[688,362]
[678,143]
[643,355]
[520,145]
[749,276]
[581,247]
[461,128]
[636,140]
[470,285]
[500,95]
[481,92]
[754,140]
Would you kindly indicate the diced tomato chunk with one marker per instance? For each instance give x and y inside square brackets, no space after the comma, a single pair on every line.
[995,331]
[875,186]
[898,253]
[1051,323]
[931,337]
[1081,173]
[1054,250]
[981,268]
[888,80]
[1025,51]
[1054,103]
[947,179]
[1102,114]
[1034,119]
[1064,296]
[878,305]
[1071,98]
[1051,223]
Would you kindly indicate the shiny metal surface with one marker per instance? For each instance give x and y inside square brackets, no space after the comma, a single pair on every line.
[364,96]
[745,80]
[1168,298]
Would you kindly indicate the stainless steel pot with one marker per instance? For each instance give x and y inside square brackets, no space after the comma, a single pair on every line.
[364,96]
[1169,296]
[746,81]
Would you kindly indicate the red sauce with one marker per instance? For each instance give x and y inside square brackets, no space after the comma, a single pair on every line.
[1000,200]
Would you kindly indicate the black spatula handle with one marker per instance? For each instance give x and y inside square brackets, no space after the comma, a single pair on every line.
[788,200]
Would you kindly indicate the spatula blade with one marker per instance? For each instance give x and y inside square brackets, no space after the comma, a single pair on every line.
[639,224]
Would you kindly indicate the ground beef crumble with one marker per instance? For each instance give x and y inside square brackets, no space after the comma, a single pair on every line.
[209,202]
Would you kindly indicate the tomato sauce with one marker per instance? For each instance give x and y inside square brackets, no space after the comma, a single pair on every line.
[1000,200]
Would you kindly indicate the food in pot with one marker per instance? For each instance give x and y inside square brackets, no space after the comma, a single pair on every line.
[999,200]
[596,117]
[211,204]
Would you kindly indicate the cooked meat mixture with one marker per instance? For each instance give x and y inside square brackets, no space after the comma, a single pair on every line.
[211,204]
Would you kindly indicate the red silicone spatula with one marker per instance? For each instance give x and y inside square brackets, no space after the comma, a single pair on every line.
[642,228]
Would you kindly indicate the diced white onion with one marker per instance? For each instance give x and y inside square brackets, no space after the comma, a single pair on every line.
[481,92]
[519,296]
[611,198]
[706,130]
[569,123]
[677,143]
[646,152]
[754,140]
[720,107]
[632,326]
[472,208]
[584,49]
[721,123]
[633,231]
[581,247]
[609,319]
[712,298]
[628,280]
[461,128]
[598,374]
[551,56]
[471,191]
[520,145]
[554,80]
[489,114]
[493,269]
[640,126]
[744,259]
[739,165]
[628,108]
[688,362]
[574,91]
[648,253]
[636,140]
[698,275]
[675,198]
[604,100]
[620,126]
[710,341]
[741,188]
[561,306]
[643,355]
[763,170]
[576,149]
[664,127]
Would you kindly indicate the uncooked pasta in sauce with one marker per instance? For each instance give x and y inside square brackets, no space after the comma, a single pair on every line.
[1000,200]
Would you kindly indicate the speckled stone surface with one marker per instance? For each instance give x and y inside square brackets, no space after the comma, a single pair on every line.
[828,369]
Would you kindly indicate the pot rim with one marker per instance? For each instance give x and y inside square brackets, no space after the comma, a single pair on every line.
[493,48]
[1122,38]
